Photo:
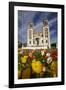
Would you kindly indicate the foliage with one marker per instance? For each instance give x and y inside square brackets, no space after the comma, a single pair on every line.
[37,63]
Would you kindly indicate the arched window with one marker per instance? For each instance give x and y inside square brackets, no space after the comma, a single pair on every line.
[46,41]
[30,42]
[42,41]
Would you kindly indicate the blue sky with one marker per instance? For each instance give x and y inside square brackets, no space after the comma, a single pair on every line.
[24,17]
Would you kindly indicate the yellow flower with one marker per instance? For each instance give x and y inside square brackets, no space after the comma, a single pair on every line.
[53,68]
[24,59]
[37,66]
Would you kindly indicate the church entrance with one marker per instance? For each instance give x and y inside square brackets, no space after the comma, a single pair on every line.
[37,40]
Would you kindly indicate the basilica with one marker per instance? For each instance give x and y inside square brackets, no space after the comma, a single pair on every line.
[39,38]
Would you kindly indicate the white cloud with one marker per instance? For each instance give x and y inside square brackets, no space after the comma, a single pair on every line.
[52,21]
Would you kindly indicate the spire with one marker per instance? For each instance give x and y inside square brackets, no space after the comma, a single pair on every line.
[45,22]
[30,25]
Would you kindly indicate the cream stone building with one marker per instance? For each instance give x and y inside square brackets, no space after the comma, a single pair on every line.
[38,39]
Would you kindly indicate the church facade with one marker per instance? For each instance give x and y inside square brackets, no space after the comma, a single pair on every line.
[38,39]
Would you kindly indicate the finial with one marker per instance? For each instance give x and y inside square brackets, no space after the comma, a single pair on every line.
[30,25]
[45,22]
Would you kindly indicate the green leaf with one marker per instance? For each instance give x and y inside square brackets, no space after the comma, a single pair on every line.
[19,66]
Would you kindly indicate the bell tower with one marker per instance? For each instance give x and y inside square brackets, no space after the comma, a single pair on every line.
[46,34]
[30,35]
